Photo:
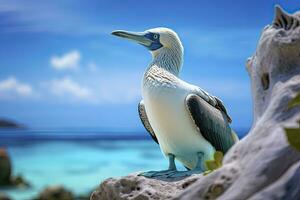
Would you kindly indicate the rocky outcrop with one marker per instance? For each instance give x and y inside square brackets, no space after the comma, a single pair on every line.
[55,193]
[4,197]
[5,167]
[139,187]
[4,123]
[59,192]
[6,178]
[262,165]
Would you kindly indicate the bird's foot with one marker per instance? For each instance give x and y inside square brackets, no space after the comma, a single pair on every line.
[170,174]
[183,174]
[154,174]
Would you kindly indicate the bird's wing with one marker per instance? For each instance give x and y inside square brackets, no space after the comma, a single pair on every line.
[213,100]
[222,108]
[212,123]
[145,121]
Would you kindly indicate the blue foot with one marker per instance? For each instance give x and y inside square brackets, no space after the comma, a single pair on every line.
[172,173]
[155,174]
[163,173]
[182,174]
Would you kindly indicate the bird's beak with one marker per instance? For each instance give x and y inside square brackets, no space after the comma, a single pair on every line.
[138,37]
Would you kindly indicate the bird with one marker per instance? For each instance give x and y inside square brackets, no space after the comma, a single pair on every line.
[188,123]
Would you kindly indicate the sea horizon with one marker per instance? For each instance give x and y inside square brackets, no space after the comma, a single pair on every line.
[9,136]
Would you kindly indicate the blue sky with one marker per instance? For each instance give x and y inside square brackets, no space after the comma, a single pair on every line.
[60,67]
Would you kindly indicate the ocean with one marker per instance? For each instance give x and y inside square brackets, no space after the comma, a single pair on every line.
[77,159]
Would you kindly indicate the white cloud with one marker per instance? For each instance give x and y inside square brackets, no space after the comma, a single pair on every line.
[67,87]
[69,60]
[11,87]
[95,85]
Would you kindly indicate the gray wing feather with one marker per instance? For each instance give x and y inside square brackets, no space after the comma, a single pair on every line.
[213,101]
[145,121]
[222,108]
[213,123]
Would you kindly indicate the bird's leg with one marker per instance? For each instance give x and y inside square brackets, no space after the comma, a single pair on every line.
[199,166]
[164,173]
[197,170]
[172,165]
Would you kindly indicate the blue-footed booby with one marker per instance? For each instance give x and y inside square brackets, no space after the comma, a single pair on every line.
[188,123]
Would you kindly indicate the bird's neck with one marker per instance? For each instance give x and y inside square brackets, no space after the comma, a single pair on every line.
[169,59]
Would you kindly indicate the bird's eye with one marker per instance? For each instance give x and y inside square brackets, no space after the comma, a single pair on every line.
[155,36]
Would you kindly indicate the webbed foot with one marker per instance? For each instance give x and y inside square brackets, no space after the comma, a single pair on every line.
[155,174]
[183,174]
[163,173]
[172,174]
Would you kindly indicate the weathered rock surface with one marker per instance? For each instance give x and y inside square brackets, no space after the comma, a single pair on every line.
[262,165]
[139,187]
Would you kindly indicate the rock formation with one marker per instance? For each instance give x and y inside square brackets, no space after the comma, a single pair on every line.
[6,178]
[139,187]
[4,197]
[55,193]
[262,165]
[4,123]
[5,167]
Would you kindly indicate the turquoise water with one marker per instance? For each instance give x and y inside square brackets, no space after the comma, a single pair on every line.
[80,165]
[77,159]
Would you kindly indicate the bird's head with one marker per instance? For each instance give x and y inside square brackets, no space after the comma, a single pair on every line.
[162,42]
[153,39]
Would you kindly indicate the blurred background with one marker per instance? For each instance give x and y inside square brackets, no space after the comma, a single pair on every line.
[69,90]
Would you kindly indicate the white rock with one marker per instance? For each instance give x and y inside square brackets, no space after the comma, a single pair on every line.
[264,161]
[140,188]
